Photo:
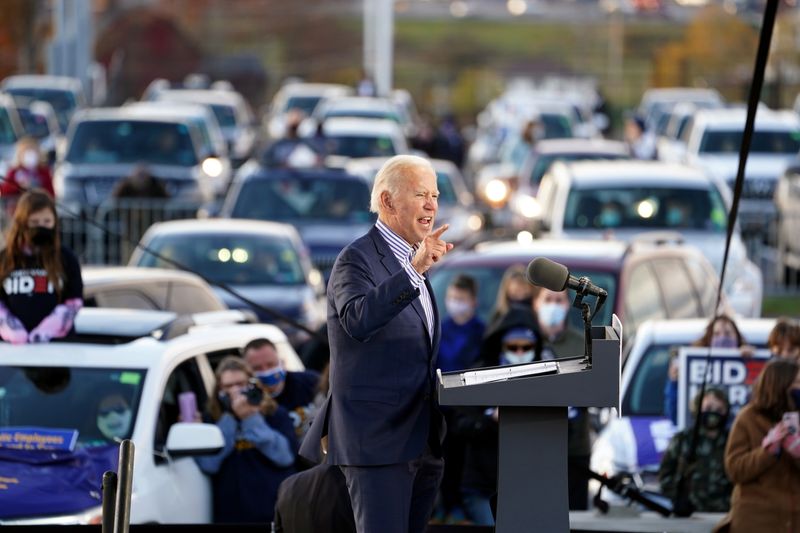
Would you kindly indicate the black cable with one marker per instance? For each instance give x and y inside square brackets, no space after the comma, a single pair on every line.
[683,506]
[224,286]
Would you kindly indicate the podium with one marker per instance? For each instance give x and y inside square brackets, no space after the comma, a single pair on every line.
[532,448]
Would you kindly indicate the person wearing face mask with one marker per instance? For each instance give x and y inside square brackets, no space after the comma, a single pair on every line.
[720,332]
[27,172]
[762,456]
[709,487]
[294,391]
[462,334]
[515,292]
[42,288]
[259,448]
[560,339]
[114,417]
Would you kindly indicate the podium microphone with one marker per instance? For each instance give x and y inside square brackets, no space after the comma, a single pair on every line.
[556,277]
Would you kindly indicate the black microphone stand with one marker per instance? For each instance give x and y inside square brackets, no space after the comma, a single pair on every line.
[587,314]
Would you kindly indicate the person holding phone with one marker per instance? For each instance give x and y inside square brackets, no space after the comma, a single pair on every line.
[259,450]
[762,457]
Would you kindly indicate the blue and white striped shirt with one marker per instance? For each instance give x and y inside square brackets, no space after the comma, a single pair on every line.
[403,252]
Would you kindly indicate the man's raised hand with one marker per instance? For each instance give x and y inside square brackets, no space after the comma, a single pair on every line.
[431,250]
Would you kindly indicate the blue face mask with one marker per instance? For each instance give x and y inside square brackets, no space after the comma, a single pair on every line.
[723,341]
[795,394]
[272,377]
[610,218]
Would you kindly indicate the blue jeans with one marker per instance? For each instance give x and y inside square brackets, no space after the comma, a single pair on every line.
[478,508]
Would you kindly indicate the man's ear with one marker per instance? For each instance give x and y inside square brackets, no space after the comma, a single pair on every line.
[386,200]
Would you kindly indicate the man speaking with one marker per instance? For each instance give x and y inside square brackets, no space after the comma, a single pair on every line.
[381,423]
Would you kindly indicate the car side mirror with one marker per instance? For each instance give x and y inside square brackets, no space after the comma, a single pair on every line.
[192,438]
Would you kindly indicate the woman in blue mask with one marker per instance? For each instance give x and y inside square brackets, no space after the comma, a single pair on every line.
[762,457]
[560,339]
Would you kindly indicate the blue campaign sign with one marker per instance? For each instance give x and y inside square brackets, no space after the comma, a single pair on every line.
[36,438]
[726,369]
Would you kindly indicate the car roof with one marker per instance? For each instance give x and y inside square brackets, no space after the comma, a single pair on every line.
[273,173]
[222,226]
[728,118]
[607,253]
[127,113]
[361,126]
[205,96]
[646,173]
[170,109]
[589,146]
[313,89]
[95,275]
[754,330]
[359,103]
[42,81]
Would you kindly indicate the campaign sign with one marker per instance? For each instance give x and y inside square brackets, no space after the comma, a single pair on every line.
[36,438]
[726,369]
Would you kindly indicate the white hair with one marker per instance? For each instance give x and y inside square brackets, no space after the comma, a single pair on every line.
[390,175]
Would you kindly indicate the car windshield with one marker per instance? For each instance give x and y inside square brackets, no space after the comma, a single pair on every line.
[101,403]
[645,393]
[645,208]
[230,258]
[226,115]
[306,104]
[488,278]
[132,141]
[296,198]
[556,126]
[764,142]
[63,102]
[362,146]
[35,125]
[7,134]
[543,162]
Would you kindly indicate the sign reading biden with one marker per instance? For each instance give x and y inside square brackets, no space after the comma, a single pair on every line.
[726,369]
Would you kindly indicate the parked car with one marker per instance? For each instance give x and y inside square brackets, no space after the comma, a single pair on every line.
[456,204]
[302,96]
[620,199]
[39,121]
[713,141]
[787,202]
[232,112]
[644,279]
[64,93]
[365,107]
[635,441]
[656,102]
[362,137]
[264,261]
[543,154]
[105,145]
[11,130]
[144,360]
[157,289]
[328,207]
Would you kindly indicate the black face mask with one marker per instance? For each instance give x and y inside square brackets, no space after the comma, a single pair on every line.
[41,236]
[711,420]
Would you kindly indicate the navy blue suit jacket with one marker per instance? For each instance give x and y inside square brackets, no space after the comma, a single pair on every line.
[382,401]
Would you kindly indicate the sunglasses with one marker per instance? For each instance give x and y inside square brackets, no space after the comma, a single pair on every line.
[119,409]
[518,347]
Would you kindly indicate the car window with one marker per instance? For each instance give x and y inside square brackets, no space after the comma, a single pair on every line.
[232,259]
[361,146]
[63,102]
[294,199]
[363,113]
[680,297]
[556,126]
[643,299]
[7,133]
[447,194]
[125,299]
[185,378]
[645,393]
[705,283]
[184,298]
[304,103]
[35,125]
[226,115]
[132,141]
[72,398]
[673,208]
[766,142]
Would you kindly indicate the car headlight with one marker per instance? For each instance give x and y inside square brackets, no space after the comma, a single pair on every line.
[527,206]
[212,167]
[496,191]
[475,222]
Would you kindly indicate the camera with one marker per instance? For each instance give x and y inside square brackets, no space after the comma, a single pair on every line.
[792,422]
[254,394]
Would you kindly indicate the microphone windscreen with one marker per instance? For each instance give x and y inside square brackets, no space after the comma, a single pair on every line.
[548,274]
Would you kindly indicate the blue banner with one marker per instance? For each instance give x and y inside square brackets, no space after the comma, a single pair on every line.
[35,438]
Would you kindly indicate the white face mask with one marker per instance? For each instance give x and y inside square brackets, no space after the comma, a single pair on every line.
[114,424]
[30,159]
[551,314]
[515,358]
[457,307]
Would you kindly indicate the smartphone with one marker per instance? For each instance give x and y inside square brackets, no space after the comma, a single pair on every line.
[792,422]
[187,403]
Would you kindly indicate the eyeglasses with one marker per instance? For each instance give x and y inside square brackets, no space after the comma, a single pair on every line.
[119,409]
[518,347]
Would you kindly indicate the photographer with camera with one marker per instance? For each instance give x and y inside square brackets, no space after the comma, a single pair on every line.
[260,446]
